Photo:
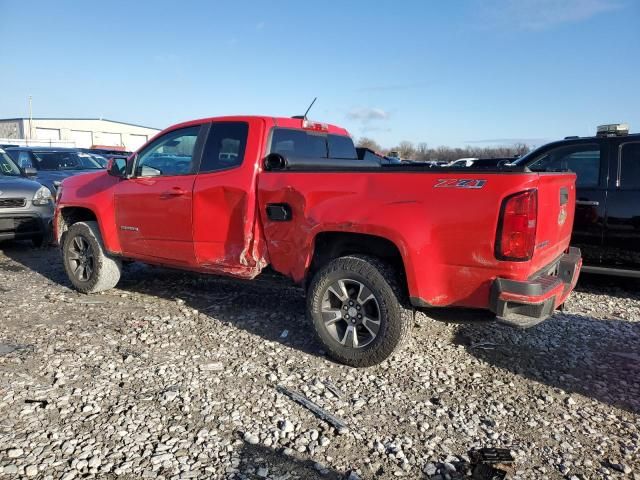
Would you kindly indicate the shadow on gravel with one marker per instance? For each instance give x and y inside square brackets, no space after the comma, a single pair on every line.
[255,457]
[619,287]
[267,306]
[595,358]
[45,260]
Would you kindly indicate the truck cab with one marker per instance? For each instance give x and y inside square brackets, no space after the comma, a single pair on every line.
[607,218]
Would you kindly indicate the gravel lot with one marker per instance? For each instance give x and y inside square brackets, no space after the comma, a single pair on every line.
[174,375]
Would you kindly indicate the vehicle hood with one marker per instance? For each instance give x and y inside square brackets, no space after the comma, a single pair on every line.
[50,177]
[87,175]
[17,187]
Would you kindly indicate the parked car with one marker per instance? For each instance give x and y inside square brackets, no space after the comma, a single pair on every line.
[369,242]
[462,162]
[395,155]
[108,151]
[52,164]
[26,207]
[607,220]
[103,155]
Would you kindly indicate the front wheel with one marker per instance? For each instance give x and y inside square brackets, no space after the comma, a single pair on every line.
[88,266]
[356,306]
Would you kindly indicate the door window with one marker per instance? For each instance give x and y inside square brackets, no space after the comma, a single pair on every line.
[24,160]
[584,160]
[172,154]
[630,166]
[225,146]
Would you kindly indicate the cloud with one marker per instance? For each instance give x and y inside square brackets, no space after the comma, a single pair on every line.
[543,14]
[367,114]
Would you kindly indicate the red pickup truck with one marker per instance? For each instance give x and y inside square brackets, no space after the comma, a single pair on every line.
[371,242]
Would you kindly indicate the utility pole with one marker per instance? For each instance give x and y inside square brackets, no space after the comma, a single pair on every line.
[30,117]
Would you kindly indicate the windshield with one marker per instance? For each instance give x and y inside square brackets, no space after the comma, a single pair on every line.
[100,159]
[7,167]
[65,161]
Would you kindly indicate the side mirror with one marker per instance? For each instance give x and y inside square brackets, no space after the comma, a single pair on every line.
[29,172]
[117,167]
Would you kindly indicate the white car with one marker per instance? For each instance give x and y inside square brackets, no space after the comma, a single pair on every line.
[462,162]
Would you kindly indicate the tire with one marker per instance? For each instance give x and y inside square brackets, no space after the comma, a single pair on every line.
[104,271]
[376,341]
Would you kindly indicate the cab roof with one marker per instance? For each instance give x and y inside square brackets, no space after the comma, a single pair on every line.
[44,149]
[282,122]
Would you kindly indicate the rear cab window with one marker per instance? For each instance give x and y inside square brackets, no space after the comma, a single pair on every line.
[301,143]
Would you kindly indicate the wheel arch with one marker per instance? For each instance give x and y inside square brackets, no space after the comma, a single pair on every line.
[67,216]
[328,245]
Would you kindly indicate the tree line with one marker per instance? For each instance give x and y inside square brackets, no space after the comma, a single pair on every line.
[422,152]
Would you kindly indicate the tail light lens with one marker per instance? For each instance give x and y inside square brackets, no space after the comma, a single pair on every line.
[516,236]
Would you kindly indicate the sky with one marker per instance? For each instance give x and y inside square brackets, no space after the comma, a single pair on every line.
[460,73]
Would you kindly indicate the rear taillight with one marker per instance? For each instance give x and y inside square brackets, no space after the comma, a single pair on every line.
[516,236]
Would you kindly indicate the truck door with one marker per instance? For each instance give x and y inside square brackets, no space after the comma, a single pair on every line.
[622,234]
[588,160]
[154,207]
[226,239]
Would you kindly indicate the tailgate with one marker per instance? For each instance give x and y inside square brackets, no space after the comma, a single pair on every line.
[556,207]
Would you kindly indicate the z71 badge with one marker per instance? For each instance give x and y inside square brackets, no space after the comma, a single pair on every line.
[459,183]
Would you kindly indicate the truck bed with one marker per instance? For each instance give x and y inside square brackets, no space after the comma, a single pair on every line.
[443,220]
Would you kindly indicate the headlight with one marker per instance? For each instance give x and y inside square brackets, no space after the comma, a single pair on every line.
[42,196]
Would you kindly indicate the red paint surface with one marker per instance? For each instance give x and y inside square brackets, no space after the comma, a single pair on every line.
[446,236]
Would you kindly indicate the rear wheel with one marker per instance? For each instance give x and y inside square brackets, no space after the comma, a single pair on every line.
[88,266]
[357,307]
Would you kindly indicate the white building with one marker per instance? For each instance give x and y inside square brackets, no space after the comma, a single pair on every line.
[74,132]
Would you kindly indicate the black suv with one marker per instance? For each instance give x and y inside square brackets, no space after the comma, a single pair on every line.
[607,221]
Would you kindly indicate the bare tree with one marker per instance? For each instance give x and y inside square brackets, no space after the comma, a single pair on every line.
[406,150]
[370,143]
[422,152]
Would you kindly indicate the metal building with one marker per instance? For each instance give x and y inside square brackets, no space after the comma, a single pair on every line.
[74,132]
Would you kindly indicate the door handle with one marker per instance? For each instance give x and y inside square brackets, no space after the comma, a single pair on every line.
[174,192]
[591,203]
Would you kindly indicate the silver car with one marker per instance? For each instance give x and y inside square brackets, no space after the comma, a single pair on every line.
[26,206]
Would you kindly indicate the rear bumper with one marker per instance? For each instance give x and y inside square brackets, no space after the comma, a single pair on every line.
[524,304]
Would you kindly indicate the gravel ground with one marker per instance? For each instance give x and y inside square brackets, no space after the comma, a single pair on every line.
[174,375]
